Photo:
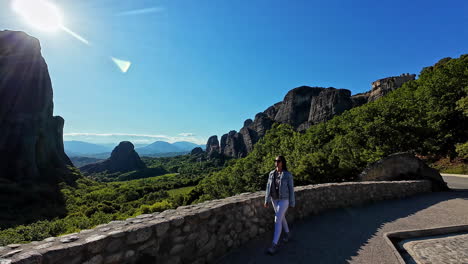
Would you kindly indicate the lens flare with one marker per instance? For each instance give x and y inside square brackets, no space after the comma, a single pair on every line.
[39,14]
[122,64]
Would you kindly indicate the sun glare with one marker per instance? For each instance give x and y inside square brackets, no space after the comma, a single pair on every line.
[45,16]
[40,14]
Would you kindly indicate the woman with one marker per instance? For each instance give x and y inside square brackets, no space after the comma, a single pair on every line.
[280,190]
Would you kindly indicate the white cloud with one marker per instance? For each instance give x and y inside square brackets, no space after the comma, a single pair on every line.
[142,141]
[142,11]
[187,134]
[114,134]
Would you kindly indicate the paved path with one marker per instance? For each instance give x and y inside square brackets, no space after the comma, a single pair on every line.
[355,235]
[439,249]
[456,181]
[455,175]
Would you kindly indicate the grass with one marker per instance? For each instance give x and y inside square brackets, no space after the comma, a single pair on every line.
[180,191]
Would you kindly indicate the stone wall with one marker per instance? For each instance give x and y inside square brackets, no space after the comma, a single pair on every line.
[198,233]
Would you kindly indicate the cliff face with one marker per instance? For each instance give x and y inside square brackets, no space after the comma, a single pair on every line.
[296,105]
[31,138]
[123,159]
[301,107]
[382,87]
[212,146]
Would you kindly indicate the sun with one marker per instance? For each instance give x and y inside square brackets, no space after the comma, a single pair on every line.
[40,14]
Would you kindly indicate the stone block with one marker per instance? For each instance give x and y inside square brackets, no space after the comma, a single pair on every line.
[114,245]
[29,257]
[138,234]
[161,228]
[96,243]
[114,258]
[98,259]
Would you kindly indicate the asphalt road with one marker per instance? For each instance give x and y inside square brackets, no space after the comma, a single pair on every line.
[456,182]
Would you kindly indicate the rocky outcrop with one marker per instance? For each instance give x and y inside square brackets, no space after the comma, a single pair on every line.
[301,107]
[328,103]
[359,99]
[380,88]
[123,159]
[239,144]
[31,138]
[296,105]
[232,144]
[196,151]
[384,86]
[273,110]
[212,146]
[261,125]
[403,167]
[249,138]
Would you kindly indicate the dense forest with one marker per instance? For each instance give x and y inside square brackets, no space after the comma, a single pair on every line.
[427,116]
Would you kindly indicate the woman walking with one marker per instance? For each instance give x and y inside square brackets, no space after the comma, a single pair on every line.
[280,190]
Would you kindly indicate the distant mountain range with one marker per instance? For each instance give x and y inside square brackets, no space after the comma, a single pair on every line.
[80,148]
[158,148]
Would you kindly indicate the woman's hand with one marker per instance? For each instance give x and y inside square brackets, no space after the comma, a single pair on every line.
[265,205]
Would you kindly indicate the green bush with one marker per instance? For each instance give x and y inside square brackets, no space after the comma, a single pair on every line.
[462,150]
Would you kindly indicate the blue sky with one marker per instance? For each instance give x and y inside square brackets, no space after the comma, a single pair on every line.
[201,67]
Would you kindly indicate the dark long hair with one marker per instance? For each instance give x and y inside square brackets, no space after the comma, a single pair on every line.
[283,161]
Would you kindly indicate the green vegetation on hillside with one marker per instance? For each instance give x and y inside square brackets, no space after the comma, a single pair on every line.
[427,116]
[184,164]
[91,203]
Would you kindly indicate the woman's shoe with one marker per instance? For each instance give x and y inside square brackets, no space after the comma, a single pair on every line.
[273,249]
[286,237]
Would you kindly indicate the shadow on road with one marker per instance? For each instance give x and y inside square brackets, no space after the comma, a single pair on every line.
[336,235]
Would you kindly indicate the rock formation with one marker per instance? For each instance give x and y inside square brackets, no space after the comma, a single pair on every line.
[123,159]
[296,105]
[197,151]
[359,99]
[382,87]
[301,107]
[212,146]
[232,144]
[328,103]
[31,138]
[403,166]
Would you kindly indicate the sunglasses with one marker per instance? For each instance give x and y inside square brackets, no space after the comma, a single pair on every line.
[277,160]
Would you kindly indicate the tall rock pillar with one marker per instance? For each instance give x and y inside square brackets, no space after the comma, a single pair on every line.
[31,138]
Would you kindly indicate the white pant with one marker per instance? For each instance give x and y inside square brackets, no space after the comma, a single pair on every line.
[280,207]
